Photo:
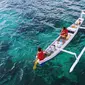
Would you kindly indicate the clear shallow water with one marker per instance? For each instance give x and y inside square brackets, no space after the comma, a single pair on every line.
[25,25]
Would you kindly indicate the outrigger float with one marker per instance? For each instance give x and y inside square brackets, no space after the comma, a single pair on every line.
[57,46]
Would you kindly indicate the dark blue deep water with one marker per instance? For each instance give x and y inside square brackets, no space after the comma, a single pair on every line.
[27,24]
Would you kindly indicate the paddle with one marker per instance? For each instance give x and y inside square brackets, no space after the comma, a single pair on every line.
[35,64]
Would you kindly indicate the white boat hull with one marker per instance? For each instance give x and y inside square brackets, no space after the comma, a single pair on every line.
[55,49]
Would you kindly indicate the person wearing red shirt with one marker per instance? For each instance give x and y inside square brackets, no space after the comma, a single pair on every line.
[40,56]
[63,35]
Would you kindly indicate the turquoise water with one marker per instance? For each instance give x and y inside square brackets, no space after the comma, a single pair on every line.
[26,25]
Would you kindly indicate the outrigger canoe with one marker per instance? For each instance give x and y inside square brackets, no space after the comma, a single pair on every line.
[56,46]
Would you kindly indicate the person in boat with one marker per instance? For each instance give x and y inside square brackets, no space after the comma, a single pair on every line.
[63,35]
[40,56]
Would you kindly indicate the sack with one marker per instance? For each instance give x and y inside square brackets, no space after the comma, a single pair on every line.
[68,37]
